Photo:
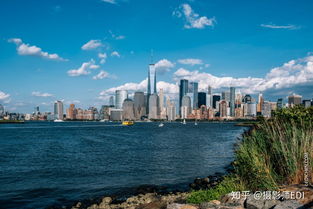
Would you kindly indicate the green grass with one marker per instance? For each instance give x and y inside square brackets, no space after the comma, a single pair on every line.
[271,155]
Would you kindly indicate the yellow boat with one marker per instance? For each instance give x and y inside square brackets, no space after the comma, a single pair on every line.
[128,123]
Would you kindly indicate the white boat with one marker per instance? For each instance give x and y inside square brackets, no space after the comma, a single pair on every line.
[161,125]
[184,122]
[196,123]
[104,120]
[58,120]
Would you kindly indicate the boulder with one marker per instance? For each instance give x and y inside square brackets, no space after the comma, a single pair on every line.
[252,203]
[288,204]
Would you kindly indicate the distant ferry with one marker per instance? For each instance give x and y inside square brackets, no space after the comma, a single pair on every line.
[128,123]
[58,120]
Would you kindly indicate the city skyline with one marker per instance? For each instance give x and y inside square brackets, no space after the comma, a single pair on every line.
[193,40]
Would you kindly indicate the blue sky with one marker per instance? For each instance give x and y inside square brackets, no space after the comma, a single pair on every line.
[257,46]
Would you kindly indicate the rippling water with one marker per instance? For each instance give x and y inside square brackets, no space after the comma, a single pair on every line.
[44,164]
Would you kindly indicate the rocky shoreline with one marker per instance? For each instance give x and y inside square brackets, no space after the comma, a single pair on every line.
[178,201]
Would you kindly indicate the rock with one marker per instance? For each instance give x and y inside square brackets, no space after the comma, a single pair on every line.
[215,202]
[252,203]
[288,204]
[207,205]
[107,200]
[228,199]
[153,205]
[180,206]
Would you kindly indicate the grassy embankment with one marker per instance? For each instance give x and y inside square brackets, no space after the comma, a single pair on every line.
[270,156]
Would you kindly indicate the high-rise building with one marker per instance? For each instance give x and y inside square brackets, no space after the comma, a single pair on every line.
[280,103]
[250,109]
[71,112]
[223,108]
[1,111]
[154,110]
[266,109]
[111,101]
[260,104]
[209,90]
[232,101]
[216,99]
[58,110]
[171,111]
[226,96]
[105,112]
[186,107]
[183,90]
[161,105]
[139,104]
[116,115]
[193,94]
[120,96]
[247,99]
[294,100]
[128,110]
[307,103]
[201,99]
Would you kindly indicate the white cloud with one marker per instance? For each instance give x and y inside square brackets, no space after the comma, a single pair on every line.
[103,57]
[109,1]
[163,65]
[273,26]
[84,69]
[290,74]
[101,75]
[92,44]
[27,50]
[39,94]
[192,19]
[115,54]
[190,61]
[4,97]
[116,37]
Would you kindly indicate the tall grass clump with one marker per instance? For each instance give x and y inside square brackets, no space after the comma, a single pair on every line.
[270,155]
[273,154]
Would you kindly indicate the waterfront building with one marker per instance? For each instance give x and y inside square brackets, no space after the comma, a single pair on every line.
[154,110]
[186,107]
[307,103]
[273,106]
[105,112]
[201,99]
[266,109]
[294,100]
[139,105]
[71,112]
[280,103]
[171,111]
[128,110]
[223,108]
[111,101]
[210,113]
[232,101]
[250,109]
[161,105]
[120,96]
[116,114]
[216,99]
[58,110]
[203,112]
[239,112]
[183,90]
[80,114]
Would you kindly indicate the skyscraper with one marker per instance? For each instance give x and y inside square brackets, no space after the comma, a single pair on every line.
[223,108]
[151,82]
[183,90]
[209,98]
[128,110]
[216,98]
[232,101]
[294,100]
[120,96]
[58,110]
[71,112]
[260,104]
[201,99]
[247,98]
[140,108]
[186,107]
[280,103]
[193,94]
[111,101]
[154,110]
[226,96]
[161,105]
[1,110]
